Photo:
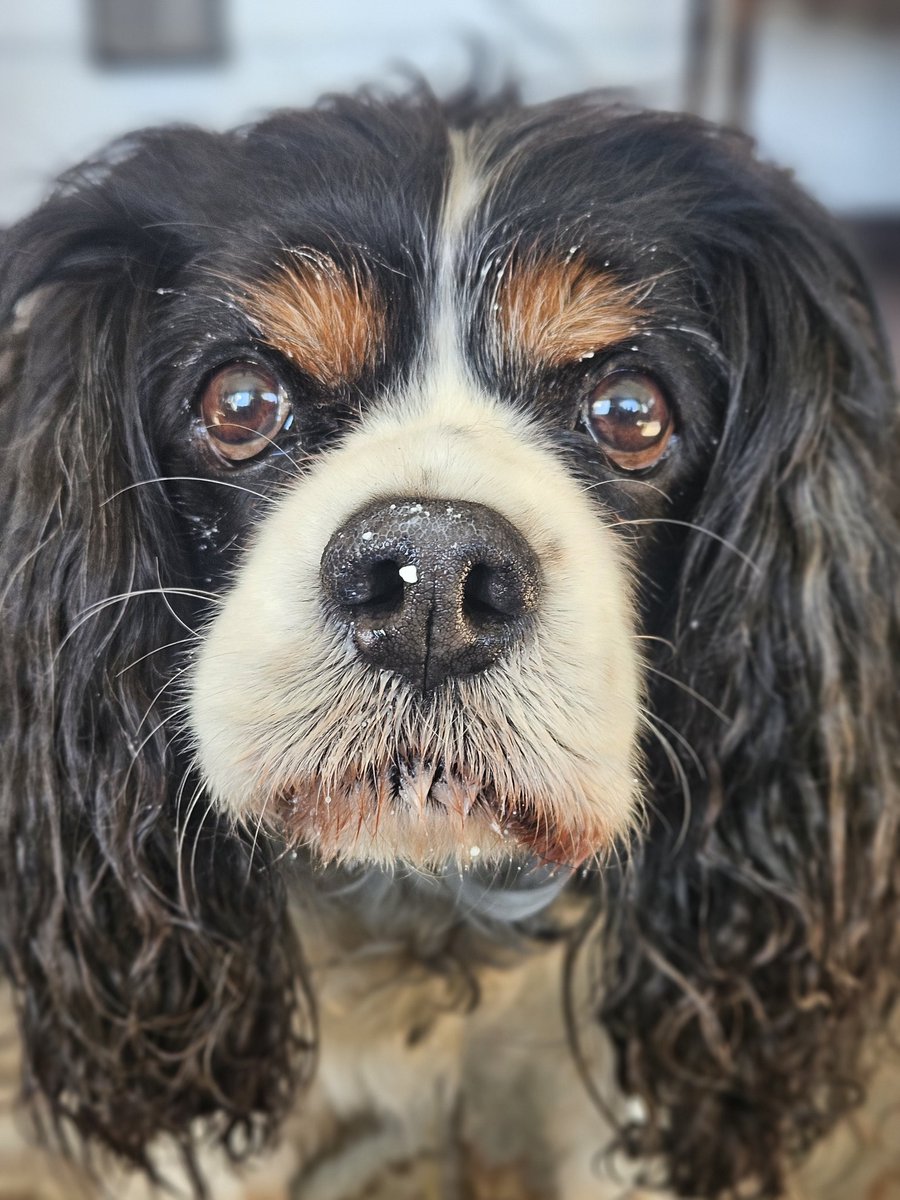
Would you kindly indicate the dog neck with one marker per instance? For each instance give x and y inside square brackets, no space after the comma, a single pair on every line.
[481,914]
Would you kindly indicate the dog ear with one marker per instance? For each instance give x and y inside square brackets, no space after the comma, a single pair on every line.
[156,980]
[754,946]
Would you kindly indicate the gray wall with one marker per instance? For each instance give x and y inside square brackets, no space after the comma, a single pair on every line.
[827,100]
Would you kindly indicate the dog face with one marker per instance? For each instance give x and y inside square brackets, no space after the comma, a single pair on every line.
[426,484]
[454,713]
[493,361]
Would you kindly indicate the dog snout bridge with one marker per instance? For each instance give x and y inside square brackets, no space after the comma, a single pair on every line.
[431,589]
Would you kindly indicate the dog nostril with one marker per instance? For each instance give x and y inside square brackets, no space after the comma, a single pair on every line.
[374,587]
[487,595]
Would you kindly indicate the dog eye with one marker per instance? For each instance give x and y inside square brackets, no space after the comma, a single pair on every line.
[242,408]
[629,416]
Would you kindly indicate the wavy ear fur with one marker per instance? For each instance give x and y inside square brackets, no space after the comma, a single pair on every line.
[154,971]
[754,945]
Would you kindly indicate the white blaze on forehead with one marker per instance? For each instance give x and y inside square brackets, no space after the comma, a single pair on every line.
[466,186]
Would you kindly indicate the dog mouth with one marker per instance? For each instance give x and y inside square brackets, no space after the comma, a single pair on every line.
[427,814]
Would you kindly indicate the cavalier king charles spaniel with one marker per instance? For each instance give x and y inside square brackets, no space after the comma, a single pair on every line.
[450,638]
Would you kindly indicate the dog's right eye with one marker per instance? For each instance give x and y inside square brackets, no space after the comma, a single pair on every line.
[243,407]
[628,415]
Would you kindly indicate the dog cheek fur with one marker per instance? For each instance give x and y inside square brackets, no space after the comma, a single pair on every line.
[754,948]
[153,985]
[569,697]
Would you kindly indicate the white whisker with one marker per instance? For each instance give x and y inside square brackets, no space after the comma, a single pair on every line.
[186,479]
[164,592]
[157,650]
[99,606]
[697,529]
[695,695]
[680,775]
[591,487]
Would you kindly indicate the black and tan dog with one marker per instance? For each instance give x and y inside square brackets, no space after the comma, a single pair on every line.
[450,637]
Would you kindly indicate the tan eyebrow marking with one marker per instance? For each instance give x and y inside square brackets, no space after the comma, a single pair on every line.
[551,312]
[326,318]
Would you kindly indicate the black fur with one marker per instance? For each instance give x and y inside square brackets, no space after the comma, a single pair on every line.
[751,946]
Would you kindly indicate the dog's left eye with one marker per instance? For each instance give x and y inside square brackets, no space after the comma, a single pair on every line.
[242,408]
[628,415]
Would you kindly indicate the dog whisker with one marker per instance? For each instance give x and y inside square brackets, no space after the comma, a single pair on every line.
[278,451]
[188,884]
[617,483]
[708,342]
[689,691]
[680,775]
[679,737]
[260,821]
[121,598]
[692,525]
[136,751]
[157,650]
[225,483]
[169,682]
[649,637]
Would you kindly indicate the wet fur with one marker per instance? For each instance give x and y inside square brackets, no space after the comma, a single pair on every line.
[746,947]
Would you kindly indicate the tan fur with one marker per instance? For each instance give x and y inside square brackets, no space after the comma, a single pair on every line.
[480,1097]
[552,312]
[327,320]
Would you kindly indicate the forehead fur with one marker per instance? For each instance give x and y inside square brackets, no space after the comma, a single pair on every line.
[550,312]
[326,318]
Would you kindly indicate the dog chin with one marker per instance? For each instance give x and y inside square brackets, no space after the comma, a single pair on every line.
[429,817]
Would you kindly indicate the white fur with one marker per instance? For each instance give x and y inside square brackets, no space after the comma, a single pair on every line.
[281,707]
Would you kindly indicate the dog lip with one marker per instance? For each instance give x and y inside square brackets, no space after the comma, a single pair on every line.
[548,843]
[526,827]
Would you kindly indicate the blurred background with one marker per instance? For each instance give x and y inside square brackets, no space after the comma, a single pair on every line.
[817,82]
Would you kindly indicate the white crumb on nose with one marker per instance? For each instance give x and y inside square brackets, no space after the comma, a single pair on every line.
[368,535]
[409,574]
[474,852]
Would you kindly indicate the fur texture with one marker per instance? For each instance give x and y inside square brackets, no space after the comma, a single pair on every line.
[673,801]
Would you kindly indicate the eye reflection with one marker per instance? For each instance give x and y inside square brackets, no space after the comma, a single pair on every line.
[628,415]
[243,407]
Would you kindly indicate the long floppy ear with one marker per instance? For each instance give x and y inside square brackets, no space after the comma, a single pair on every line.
[754,946]
[155,977]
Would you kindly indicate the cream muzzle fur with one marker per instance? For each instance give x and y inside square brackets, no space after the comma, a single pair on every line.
[538,752]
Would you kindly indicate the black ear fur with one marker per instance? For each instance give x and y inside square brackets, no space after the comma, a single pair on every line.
[754,946]
[155,974]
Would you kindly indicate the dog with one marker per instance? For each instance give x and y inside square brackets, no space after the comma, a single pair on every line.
[451,615]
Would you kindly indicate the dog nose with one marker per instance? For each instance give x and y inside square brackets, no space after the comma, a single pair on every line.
[431,589]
